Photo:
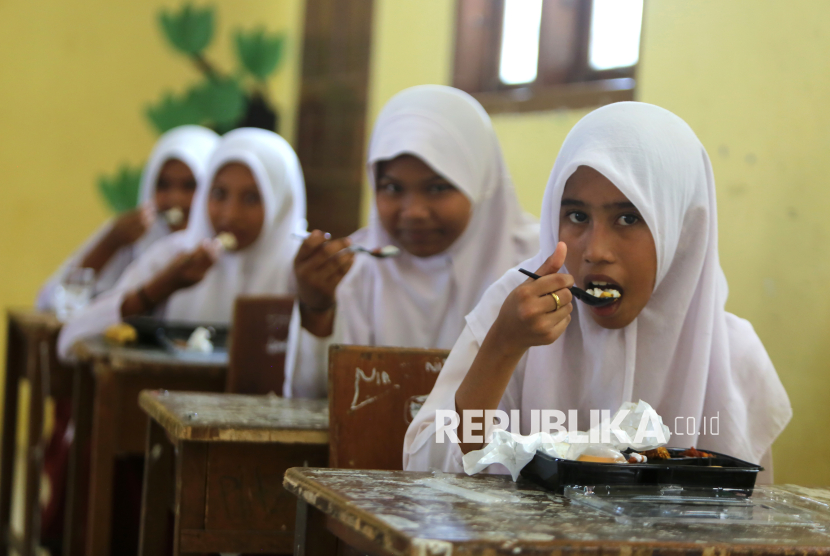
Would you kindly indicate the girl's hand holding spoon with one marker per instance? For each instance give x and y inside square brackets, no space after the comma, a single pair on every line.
[320,265]
[537,311]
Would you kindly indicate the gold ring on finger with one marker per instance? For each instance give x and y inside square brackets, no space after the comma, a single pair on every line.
[558,301]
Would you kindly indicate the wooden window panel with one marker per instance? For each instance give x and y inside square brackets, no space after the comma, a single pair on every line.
[569,95]
[564,79]
[559,39]
[477,45]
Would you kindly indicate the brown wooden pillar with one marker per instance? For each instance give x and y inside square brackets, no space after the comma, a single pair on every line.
[331,127]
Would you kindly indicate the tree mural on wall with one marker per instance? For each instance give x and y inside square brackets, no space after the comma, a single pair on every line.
[220,100]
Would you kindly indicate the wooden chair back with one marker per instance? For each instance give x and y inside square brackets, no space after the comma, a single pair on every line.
[374,393]
[258,343]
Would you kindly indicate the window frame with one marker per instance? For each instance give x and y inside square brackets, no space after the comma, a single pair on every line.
[564,80]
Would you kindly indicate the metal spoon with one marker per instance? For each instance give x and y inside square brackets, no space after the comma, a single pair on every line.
[306,235]
[379,252]
[580,294]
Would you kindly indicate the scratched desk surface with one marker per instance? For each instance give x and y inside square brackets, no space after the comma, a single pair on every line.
[238,417]
[402,512]
[125,358]
[230,452]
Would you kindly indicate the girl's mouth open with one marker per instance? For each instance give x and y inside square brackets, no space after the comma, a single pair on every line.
[603,290]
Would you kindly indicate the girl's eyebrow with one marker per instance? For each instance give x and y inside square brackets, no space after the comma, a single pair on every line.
[619,205]
[436,177]
[433,179]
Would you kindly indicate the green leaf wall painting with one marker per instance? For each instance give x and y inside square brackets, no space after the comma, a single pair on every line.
[120,190]
[259,52]
[221,100]
[189,31]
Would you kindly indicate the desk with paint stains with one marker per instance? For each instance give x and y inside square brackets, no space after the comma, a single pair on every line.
[421,514]
[229,453]
[109,421]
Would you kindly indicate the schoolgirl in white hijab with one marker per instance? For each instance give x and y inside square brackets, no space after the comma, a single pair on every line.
[418,299]
[179,159]
[682,352]
[199,280]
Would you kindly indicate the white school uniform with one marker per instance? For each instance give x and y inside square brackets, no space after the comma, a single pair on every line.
[191,145]
[263,268]
[684,354]
[414,301]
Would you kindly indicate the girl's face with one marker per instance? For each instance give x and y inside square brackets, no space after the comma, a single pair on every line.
[608,242]
[174,188]
[419,208]
[235,204]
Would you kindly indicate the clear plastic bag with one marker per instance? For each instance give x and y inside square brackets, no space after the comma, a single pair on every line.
[647,505]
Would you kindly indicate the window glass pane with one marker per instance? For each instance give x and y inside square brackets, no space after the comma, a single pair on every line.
[615,33]
[520,41]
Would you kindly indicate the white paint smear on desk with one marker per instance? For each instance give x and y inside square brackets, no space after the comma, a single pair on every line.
[397,521]
[431,547]
[468,493]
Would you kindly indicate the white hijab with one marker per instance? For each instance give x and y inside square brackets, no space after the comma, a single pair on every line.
[684,354]
[421,302]
[263,268]
[190,144]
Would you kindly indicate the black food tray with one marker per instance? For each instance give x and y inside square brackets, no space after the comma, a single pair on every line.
[153,331]
[720,471]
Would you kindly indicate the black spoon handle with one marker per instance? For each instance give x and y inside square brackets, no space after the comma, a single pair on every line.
[577,293]
[528,273]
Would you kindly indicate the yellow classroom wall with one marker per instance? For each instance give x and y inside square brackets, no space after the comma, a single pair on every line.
[76,77]
[751,78]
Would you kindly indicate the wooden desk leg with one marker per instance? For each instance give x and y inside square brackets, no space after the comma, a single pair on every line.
[77,479]
[191,490]
[34,448]
[311,536]
[7,458]
[102,466]
[156,493]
